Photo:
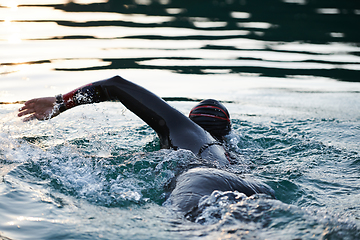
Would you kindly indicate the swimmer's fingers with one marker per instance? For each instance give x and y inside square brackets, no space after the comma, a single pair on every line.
[28,108]
[39,108]
[25,113]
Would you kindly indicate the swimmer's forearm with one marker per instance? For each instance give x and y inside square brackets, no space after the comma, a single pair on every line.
[87,94]
[112,89]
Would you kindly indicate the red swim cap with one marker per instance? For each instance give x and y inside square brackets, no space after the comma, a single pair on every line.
[212,116]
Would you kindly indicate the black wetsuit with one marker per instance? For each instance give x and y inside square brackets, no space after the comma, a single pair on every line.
[175,131]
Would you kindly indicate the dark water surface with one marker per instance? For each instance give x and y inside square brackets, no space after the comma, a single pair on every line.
[288,71]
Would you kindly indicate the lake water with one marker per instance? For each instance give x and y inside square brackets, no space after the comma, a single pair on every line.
[288,71]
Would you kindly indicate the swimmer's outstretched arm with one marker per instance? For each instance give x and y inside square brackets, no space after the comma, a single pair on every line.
[170,124]
[142,102]
[113,89]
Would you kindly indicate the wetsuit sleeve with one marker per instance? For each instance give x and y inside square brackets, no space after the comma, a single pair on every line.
[150,108]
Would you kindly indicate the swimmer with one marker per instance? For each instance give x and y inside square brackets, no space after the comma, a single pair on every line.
[201,133]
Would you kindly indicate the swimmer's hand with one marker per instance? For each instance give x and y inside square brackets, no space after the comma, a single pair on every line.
[39,108]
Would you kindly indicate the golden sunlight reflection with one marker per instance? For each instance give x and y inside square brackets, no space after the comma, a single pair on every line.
[12,4]
[10,31]
[24,68]
[46,14]
[78,63]
[14,39]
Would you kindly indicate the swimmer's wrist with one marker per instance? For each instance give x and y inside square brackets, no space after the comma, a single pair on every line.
[70,99]
[60,104]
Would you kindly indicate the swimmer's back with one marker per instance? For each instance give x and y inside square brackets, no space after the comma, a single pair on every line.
[198,182]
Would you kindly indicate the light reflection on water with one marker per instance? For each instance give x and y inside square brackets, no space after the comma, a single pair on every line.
[285,39]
